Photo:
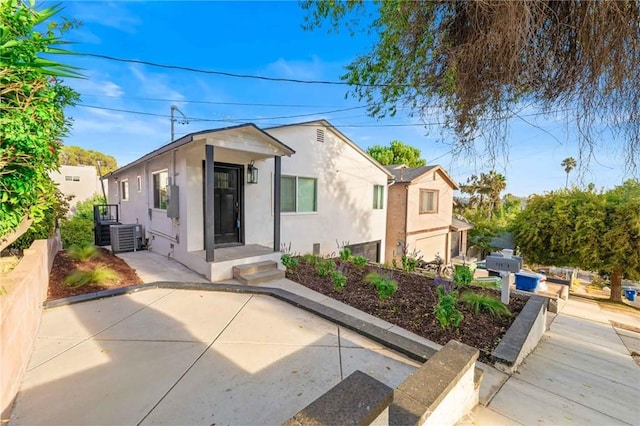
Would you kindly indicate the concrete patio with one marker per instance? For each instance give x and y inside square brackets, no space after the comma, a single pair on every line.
[172,356]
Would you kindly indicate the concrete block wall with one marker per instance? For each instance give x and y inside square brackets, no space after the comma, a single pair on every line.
[23,292]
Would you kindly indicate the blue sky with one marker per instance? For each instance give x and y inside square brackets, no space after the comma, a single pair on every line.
[266,39]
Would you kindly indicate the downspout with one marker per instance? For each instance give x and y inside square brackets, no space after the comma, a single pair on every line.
[406,219]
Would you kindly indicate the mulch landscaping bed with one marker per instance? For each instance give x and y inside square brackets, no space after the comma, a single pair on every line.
[411,307]
[63,265]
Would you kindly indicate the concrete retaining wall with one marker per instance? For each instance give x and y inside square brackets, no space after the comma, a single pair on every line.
[24,291]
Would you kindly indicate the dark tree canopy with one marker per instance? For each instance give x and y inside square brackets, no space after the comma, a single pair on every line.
[78,156]
[480,61]
[397,153]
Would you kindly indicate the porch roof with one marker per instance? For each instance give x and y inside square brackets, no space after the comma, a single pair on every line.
[278,148]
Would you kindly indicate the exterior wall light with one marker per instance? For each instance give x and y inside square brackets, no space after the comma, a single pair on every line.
[252,173]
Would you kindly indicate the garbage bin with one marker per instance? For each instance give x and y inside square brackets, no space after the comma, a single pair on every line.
[527,281]
[630,293]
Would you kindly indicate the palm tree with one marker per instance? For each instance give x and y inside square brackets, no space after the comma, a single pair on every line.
[569,164]
[494,183]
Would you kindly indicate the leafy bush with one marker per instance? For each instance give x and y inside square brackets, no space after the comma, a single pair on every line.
[100,276]
[339,280]
[84,208]
[76,231]
[480,302]
[385,286]
[445,309]
[310,259]
[462,276]
[289,262]
[325,267]
[360,261]
[345,254]
[409,263]
[85,252]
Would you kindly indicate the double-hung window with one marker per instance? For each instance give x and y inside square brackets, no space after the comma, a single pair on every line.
[428,201]
[378,197]
[160,189]
[298,194]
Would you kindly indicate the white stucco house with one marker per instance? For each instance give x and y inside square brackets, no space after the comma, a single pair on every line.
[80,181]
[219,198]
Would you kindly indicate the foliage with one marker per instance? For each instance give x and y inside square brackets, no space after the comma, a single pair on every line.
[84,209]
[289,262]
[484,191]
[345,254]
[462,275]
[568,164]
[360,261]
[597,231]
[76,231]
[384,285]
[488,304]
[82,252]
[58,206]
[397,153]
[409,263]
[324,267]
[32,102]
[338,279]
[310,259]
[445,308]
[99,276]
[474,61]
[77,156]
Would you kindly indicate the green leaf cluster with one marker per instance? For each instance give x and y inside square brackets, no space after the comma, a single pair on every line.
[445,309]
[32,102]
[480,302]
[77,156]
[397,153]
[385,286]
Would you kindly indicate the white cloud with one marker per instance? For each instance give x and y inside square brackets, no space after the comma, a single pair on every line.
[109,14]
[96,84]
[154,85]
[300,69]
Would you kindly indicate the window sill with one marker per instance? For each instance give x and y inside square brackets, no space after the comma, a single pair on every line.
[298,213]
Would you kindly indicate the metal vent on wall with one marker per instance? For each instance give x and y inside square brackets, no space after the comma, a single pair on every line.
[126,238]
[320,135]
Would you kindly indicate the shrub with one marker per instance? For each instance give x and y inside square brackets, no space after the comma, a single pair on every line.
[289,262]
[339,280]
[385,286]
[480,302]
[76,231]
[445,309]
[409,263]
[345,254]
[360,261]
[310,259]
[85,252]
[325,267]
[100,276]
[462,275]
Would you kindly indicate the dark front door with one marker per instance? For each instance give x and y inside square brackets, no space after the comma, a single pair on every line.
[227,210]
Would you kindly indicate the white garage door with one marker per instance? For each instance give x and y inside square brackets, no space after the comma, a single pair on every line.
[428,247]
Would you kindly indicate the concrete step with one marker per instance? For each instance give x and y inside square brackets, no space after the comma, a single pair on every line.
[260,277]
[477,377]
[252,268]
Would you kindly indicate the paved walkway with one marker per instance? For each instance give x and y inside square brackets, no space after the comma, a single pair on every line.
[196,357]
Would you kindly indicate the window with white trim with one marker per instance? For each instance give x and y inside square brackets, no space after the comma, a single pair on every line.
[139,183]
[160,198]
[124,190]
[298,194]
[378,197]
[428,201]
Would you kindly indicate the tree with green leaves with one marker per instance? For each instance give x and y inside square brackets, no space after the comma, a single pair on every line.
[397,153]
[484,191]
[568,164]
[481,62]
[32,119]
[78,156]
[597,231]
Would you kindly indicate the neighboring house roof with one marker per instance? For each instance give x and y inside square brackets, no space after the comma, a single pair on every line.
[190,137]
[460,225]
[342,136]
[404,174]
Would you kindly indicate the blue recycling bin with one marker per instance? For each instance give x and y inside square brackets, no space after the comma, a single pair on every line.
[630,294]
[527,281]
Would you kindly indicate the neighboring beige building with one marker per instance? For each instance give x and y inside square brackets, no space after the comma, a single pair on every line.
[420,214]
[80,181]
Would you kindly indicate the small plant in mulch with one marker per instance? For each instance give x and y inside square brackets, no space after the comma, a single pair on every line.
[345,254]
[82,252]
[310,259]
[360,261]
[338,279]
[101,275]
[445,308]
[289,262]
[384,285]
[488,304]
[325,267]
